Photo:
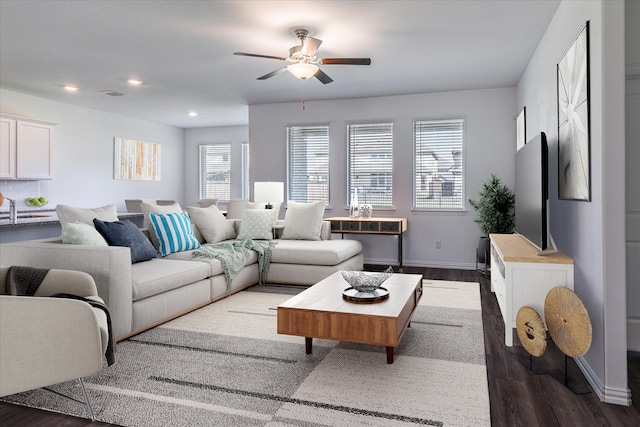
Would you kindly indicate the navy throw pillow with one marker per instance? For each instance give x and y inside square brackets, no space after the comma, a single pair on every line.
[126,233]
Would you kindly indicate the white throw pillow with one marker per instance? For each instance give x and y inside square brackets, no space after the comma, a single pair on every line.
[148,208]
[303,221]
[69,214]
[79,233]
[257,224]
[213,226]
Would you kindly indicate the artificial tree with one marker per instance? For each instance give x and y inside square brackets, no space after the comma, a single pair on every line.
[496,213]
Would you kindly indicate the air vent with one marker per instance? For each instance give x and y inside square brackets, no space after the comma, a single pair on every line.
[111,92]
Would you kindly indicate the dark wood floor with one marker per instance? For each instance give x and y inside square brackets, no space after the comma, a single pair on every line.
[518,396]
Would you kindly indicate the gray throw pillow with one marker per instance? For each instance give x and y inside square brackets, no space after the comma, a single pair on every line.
[212,224]
[70,214]
[303,221]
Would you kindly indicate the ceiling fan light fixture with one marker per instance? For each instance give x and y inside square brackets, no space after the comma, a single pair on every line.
[303,71]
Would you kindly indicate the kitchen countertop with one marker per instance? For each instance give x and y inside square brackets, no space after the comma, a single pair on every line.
[40,217]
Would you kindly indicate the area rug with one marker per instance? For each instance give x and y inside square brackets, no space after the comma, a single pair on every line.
[225,364]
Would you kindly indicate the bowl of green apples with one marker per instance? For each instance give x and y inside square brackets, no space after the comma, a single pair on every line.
[36,202]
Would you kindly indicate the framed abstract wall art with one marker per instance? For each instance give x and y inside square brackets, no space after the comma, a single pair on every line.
[574,159]
[521,129]
[136,160]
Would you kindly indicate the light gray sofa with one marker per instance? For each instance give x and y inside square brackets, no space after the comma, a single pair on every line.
[145,294]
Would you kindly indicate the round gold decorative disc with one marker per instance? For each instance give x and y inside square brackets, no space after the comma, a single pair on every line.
[531,331]
[568,321]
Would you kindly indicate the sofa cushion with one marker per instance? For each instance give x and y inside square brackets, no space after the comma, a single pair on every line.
[303,221]
[215,265]
[174,232]
[126,233]
[148,208]
[160,275]
[322,252]
[69,214]
[212,224]
[79,233]
[257,224]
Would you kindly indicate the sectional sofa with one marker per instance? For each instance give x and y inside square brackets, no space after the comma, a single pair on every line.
[148,292]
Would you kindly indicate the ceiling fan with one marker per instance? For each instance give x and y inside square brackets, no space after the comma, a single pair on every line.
[305,62]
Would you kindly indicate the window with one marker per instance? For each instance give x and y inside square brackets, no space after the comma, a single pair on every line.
[215,171]
[245,170]
[308,163]
[438,166]
[370,163]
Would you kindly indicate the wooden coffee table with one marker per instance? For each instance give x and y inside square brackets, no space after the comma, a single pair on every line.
[321,312]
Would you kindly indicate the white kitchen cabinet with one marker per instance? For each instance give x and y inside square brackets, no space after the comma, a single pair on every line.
[25,148]
[520,277]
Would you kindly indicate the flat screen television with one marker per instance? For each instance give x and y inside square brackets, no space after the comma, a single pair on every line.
[532,192]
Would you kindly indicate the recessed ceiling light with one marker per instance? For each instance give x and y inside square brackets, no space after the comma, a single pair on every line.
[70,88]
[134,82]
[193,113]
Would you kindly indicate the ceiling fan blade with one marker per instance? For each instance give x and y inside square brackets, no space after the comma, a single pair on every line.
[345,61]
[310,46]
[255,55]
[323,77]
[273,73]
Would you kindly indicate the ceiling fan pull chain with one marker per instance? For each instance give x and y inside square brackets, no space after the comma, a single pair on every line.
[303,106]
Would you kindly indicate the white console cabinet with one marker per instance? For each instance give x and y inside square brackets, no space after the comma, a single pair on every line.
[25,148]
[520,277]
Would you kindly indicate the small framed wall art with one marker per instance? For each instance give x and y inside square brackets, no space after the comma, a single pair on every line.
[574,162]
[521,129]
[136,160]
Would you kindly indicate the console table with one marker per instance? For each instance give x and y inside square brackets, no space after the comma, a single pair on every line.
[391,226]
[520,277]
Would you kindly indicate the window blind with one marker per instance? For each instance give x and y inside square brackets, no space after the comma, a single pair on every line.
[215,171]
[438,165]
[245,170]
[308,163]
[370,163]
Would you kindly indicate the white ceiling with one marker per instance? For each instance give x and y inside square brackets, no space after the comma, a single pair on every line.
[183,51]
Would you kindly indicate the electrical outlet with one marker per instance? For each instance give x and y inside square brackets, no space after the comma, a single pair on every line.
[438,244]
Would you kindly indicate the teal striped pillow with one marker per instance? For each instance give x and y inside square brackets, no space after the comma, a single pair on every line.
[174,232]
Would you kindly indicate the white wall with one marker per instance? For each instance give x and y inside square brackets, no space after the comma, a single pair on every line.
[489,148]
[235,135]
[83,153]
[592,233]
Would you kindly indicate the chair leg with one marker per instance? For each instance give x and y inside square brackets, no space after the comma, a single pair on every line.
[86,402]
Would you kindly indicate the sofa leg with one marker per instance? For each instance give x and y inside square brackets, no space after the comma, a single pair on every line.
[86,402]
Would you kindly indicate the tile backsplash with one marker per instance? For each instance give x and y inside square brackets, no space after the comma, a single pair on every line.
[19,191]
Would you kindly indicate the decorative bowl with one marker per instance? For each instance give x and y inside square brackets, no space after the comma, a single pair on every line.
[36,202]
[365,281]
[366,210]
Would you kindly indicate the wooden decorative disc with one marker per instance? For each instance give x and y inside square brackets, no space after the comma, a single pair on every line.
[531,331]
[568,321]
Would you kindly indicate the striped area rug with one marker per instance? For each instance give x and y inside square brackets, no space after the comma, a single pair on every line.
[225,364]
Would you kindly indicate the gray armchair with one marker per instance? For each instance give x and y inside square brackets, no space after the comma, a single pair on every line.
[45,341]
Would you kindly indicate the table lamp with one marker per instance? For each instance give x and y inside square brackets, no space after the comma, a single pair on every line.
[268,192]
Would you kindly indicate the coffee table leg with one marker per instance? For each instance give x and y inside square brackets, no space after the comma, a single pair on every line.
[308,344]
[389,355]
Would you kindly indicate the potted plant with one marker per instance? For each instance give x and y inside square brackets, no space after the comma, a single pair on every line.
[496,213]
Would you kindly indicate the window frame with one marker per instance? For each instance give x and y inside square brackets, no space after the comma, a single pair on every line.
[202,170]
[292,190]
[462,199]
[388,181]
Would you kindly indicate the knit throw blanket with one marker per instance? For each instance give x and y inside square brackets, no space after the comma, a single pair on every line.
[233,254]
[25,281]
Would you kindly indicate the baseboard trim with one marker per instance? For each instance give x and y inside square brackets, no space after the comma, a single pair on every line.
[424,264]
[615,396]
